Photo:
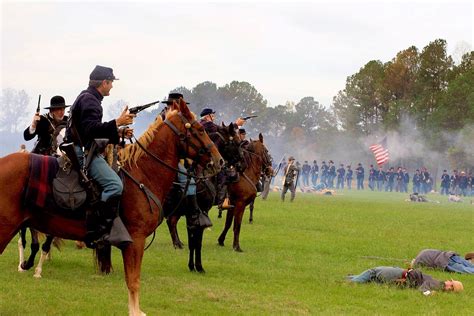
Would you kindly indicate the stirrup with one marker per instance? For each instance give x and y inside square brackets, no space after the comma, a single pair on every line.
[226,204]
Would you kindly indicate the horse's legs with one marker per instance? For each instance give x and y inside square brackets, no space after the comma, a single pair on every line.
[132,261]
[238,215]
[251,212]
[192,247]
[21,248]
[26,265]
[172,222]
[46,248]
[198,234]
[228,223]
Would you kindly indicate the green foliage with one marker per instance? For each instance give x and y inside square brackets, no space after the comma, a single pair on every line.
[296,256]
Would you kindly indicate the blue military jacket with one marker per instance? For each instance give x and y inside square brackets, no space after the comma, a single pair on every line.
[86,115]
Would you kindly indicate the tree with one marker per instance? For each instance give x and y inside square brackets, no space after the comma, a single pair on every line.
[14,112]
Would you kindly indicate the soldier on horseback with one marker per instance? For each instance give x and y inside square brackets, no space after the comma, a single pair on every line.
[207,121]
[85,125]
[48,127]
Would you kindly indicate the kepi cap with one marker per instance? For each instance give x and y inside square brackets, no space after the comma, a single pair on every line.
[102,73]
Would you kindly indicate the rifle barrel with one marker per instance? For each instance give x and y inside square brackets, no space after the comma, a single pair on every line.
[38,107]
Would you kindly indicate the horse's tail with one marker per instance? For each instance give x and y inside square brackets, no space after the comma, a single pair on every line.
[103,259]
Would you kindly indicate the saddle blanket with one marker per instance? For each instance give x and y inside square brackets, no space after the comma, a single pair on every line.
[43,169]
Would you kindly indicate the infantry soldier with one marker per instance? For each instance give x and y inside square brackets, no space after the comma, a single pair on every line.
[324,173]
[406,180]
[360,176]
[291,173]
[84,126]
[390,179]
[331,174]
[380,178]
[372,177]
[314,172]
[48,127]
[306,169]
[349,177]
[399,176]
[417,181]
[341,172]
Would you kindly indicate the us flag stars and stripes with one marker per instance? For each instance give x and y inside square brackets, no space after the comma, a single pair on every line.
[380,151]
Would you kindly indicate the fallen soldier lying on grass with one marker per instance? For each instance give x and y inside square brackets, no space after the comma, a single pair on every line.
[406,278]
[445,260]
[415,197]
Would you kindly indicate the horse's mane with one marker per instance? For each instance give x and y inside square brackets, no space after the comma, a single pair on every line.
[131,153]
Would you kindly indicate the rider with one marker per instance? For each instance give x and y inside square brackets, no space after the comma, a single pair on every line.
[84,126]
[48,127]
[207,121]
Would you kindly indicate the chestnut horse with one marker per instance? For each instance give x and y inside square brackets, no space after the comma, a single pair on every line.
[149,166]
[243,192]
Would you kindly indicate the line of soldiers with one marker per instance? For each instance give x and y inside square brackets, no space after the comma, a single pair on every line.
[388,180]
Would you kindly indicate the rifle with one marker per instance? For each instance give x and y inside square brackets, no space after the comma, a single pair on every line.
[38,107]
[249,117]
[139,108]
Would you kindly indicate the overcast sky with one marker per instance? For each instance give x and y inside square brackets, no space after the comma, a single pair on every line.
[287,51]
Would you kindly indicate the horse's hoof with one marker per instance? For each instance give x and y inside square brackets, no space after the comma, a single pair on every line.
[178,246]
[191,268]
[38,276]
[220,242]
[200,270]
[238,249]
[25,266]
[20,269]
[250,221]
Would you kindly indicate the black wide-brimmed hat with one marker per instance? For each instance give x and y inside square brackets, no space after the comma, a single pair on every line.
[102,73]
[57,102]
[242,131]
[207,111]
[173,97]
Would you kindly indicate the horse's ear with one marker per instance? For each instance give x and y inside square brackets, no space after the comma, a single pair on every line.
[260,137]
[174,106]
[231,129]
[223,125]
[184,109]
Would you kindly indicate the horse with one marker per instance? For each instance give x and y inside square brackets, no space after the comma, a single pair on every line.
[149,166]
[25,265]
[228,144]
[244,191]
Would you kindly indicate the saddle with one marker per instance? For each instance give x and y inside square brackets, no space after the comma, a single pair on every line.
[60,183]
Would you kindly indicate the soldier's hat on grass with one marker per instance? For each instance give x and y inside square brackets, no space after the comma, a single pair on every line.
[102,73]
[57,102]
[174,96]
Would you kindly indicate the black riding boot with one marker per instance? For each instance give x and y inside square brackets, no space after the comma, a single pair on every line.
[197,217]
[111,229]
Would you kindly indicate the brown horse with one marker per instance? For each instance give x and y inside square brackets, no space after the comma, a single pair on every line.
[150,169]
[243,192]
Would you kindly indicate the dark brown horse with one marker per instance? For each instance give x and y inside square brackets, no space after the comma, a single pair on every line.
[243,192]
[150,168]
[228,144]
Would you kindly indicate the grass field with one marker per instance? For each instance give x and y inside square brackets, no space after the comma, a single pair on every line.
[295,258]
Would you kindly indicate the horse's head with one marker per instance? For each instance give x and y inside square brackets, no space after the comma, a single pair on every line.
[194,143]
[261,151]
[228,143]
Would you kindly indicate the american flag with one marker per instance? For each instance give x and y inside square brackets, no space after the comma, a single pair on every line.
[380,151]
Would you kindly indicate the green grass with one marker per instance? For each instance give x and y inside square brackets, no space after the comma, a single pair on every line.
[295,258]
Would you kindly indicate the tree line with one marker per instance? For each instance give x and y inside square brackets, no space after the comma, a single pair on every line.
[425,86]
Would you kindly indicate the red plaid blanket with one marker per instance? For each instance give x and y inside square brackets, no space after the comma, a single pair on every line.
[43,169]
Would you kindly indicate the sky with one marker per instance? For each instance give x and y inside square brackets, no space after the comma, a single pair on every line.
[286,50]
